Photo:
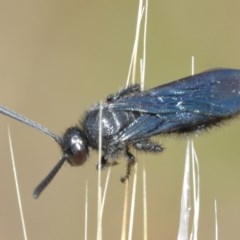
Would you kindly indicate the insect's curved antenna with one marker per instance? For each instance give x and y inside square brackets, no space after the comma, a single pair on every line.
[44,183]
[12,114]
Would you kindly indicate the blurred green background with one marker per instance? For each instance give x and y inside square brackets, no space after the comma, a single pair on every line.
[59,57]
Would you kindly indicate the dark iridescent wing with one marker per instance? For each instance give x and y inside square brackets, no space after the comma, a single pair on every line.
[184,105]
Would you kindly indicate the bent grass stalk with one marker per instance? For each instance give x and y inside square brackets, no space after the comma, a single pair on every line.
[24,229]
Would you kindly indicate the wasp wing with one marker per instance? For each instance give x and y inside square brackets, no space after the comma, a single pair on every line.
[187,104]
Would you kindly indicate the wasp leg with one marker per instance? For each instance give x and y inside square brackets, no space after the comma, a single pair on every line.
[104,163]
[148,146]
[124,92]
[130,163]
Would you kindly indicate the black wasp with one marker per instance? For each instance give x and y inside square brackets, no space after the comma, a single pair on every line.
[131,117]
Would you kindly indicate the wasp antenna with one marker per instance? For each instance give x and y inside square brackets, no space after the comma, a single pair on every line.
[12,114]
[43,184]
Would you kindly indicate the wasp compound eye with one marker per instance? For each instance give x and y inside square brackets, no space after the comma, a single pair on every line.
[74,146]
